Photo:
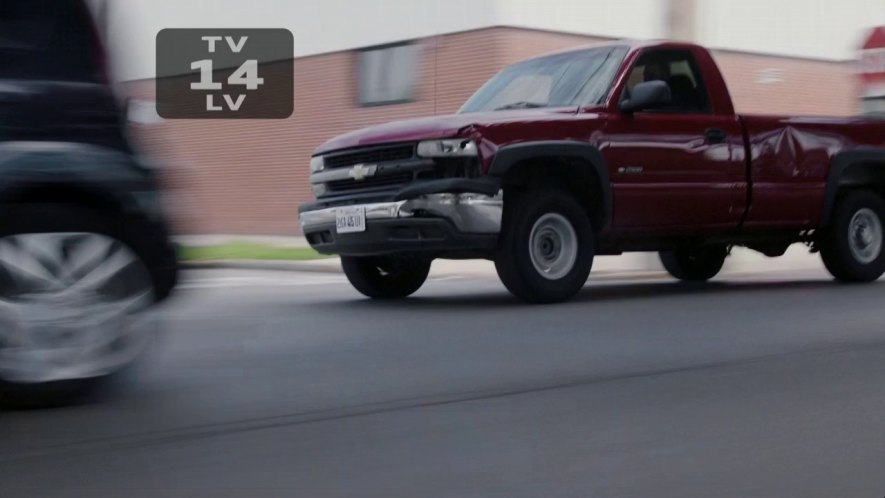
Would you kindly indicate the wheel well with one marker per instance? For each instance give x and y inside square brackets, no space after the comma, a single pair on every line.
[853,170]
[869,175]
[575,175]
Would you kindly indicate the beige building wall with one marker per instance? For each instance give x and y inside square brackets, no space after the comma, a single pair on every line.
[761,84]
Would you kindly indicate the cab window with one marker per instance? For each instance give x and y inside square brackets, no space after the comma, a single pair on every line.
[679,69]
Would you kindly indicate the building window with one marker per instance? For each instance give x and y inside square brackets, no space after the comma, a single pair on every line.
[874,106]
[769,76]
[387,75]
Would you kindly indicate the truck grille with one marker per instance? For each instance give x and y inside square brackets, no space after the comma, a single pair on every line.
[372,155]
[375,182]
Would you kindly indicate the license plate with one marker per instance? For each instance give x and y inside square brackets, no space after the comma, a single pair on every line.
[350,219]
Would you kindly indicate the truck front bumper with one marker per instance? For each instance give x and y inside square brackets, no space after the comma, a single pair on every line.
[441,224]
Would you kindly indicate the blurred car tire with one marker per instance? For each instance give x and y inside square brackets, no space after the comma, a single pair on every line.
[75,300]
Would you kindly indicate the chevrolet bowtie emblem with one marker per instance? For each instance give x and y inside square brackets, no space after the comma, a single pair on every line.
[361,171]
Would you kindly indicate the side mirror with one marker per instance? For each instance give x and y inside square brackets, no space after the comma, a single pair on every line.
[646,96]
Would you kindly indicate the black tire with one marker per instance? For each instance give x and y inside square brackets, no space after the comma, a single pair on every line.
[386,277]
[847,259]
[45,218]
[16,396]
[524,275]
[694,264]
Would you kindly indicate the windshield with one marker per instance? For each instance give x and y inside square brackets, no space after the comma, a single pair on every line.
[569,79]
[48,39]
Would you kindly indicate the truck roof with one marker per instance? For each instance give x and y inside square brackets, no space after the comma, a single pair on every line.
[631,44]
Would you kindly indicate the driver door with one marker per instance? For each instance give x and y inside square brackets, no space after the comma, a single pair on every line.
[682,166]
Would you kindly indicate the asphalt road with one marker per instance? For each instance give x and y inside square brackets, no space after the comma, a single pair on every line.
[289,384]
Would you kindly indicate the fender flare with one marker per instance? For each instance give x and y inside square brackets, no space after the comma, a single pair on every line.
[508,156]
[838,165]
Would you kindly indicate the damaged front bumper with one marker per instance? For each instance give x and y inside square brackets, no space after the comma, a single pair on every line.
[463,221]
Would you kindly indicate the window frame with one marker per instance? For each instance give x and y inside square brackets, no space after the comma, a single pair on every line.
[360,53]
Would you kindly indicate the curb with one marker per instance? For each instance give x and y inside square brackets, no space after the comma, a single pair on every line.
[255,264]
[325,266]
[331,266]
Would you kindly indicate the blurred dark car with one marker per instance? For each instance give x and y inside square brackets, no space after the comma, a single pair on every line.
[84,250]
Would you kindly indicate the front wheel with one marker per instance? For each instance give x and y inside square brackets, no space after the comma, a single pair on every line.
[853,245]
[74,301]
[694,264]
[386,277]
[546,248]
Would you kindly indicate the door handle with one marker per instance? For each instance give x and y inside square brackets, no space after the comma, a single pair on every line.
[715,135]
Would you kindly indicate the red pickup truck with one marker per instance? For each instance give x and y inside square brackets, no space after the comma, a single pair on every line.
[597,151]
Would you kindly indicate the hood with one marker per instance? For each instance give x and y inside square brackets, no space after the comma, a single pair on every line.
[412,130]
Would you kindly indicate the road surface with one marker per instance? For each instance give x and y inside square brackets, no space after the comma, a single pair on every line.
[289,384]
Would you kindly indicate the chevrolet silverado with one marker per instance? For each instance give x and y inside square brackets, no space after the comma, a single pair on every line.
[597,151]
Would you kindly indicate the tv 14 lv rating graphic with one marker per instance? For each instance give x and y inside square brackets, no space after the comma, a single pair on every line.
[225,73]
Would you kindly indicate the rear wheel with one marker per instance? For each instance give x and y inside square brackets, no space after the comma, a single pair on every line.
[73,305]
[546,248]
[694,264]
[386,277]
[853,245]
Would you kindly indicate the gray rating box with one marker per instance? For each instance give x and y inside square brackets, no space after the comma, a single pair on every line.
[225,73]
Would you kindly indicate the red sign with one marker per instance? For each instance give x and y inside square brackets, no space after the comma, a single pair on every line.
[872,58]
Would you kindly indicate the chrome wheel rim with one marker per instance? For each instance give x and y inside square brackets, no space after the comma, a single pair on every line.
[72,305]
[865,236]
[553,246]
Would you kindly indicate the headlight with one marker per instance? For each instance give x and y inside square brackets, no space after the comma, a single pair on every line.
[457,147]
[319,189]
[317,164]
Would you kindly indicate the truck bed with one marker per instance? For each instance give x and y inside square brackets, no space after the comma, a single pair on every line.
[789,162]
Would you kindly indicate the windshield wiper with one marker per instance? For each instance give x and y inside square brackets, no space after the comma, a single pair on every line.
[521,105]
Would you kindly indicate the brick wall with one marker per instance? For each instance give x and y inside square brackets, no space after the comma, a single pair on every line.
[248,176]
[762,84]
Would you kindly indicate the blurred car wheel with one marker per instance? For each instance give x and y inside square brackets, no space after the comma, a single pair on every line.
[75,305]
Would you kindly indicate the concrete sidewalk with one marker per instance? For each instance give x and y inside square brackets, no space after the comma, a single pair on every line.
[741,260]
